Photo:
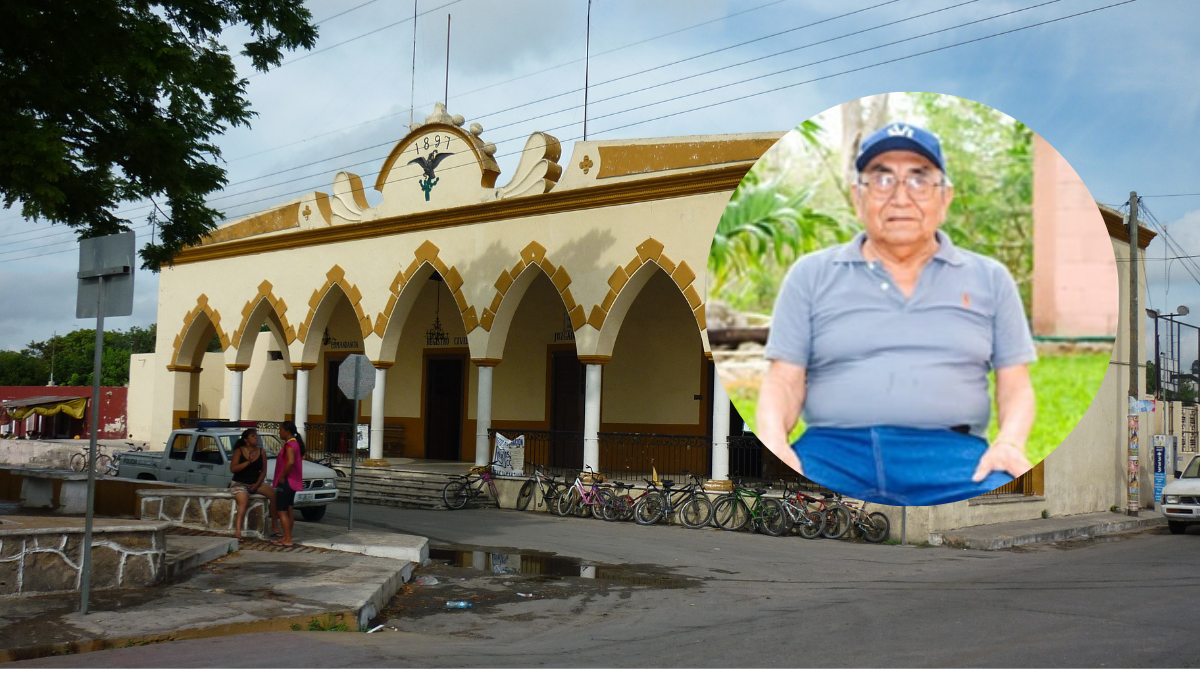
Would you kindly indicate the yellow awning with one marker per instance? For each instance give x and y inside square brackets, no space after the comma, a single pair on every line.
[72,407]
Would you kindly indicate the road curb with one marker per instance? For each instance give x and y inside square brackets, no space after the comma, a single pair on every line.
[951,539]
[350,618]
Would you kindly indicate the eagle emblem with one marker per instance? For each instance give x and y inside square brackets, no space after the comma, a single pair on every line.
[428,165]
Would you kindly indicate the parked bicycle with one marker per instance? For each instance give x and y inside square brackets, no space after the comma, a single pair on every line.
[548,487]
[104,462]
[622,503]
[874,526]
[747,505]
[463,489]
[580,499]
[690,502]
[807,521]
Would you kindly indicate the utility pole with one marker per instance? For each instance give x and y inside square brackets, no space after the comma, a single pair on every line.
[412,84]
[587,61]
[1133,501]
[446,98]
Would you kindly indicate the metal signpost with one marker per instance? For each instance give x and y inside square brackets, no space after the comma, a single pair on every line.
[356,379]
[106,266]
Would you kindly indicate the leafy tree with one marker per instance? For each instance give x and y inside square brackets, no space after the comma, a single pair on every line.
[21,368]
[117,100]
[1151,377]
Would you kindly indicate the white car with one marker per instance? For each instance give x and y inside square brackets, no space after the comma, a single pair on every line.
[1181,498]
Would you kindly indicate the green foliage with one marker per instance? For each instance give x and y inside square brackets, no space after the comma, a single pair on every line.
[108,101]
[989,158]
[72,355]
[1151,377]
[767,224]
[327,624]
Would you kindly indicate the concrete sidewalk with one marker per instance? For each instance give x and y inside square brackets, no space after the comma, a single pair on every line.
[259,588]
[1028,532]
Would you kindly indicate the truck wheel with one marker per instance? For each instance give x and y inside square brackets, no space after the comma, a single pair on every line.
[313,514]
[146,476]
[1176,527]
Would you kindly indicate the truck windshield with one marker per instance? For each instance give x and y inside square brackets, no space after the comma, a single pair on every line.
[271,443]
[1192,471]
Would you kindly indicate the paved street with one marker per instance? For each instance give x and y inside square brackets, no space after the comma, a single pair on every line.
[675,597]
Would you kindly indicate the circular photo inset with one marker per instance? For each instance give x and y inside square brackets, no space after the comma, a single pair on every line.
[878,313]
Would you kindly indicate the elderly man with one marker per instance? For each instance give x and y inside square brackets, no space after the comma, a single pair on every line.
[885,344]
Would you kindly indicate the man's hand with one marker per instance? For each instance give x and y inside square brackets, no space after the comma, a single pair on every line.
[1004,456]
[784,452]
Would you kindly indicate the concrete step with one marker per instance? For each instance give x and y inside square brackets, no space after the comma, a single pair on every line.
[185,554]
[1029,532]
[400,488]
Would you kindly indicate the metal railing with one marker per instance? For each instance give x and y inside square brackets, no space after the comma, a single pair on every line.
[559,450]
[332,440]
[1022,486]
[750,461]
[632,455]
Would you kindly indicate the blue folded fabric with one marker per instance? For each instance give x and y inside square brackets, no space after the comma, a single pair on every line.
[896,465]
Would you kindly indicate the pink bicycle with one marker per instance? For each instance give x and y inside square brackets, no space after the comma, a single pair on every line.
[580,499]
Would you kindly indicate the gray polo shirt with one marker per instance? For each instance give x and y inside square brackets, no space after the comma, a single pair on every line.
[875,357]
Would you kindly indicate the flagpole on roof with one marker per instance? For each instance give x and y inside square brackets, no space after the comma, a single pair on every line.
[412,86]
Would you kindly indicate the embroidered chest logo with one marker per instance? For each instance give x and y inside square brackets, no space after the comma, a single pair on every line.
[966,301]
[428,165]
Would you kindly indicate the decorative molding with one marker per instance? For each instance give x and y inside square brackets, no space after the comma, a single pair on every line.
[183,369]
[426,252]
[681,274]
[485,362]
[488,167]
[619,160]
[535,254]
[708,181]
[277,304]
[335,277]
[599,359]
[214,317]
[304,366]
[383,364]
[237,368]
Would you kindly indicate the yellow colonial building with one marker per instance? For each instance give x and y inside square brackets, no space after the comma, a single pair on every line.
[568,302]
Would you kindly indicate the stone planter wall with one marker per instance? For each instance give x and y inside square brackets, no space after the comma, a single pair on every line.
[45,555]
[204,509]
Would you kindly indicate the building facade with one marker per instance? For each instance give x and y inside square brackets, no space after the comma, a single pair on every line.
[570,299]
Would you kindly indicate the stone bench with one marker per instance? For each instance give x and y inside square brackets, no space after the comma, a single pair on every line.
[206,509]
[45,554]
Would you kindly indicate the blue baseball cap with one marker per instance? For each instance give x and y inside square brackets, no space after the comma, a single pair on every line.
[900,136]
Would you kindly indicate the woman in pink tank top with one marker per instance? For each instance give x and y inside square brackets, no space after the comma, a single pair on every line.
[289,478]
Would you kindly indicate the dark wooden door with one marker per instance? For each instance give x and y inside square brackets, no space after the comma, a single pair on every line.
[443,406]
[566,410]
[338,409]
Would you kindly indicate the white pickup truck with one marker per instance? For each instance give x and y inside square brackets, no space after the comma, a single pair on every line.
[200,456]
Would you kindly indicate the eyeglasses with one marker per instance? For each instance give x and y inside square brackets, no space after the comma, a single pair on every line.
[882,185]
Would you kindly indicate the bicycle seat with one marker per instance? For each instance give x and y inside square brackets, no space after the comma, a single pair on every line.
[826,495]
[479,469]
[622,485]
[666,484]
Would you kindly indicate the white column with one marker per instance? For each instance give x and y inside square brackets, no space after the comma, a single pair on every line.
[377,396]
[235,394]
[720,430]
[301,411]
[591,416]
[483,415]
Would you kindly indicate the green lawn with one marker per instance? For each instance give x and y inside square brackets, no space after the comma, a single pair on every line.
[1065,386]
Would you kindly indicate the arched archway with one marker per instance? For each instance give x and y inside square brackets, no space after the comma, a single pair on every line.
[264,363]
[194,396]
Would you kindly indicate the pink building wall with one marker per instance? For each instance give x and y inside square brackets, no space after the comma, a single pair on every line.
[1075,288]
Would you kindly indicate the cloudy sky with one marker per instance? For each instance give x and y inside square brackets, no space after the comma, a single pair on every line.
[1113,88]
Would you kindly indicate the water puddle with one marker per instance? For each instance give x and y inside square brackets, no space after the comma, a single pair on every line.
[545,567]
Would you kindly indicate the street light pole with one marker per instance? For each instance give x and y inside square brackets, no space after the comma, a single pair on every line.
[1133,498]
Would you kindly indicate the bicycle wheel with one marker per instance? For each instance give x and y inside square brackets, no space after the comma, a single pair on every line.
[879,528]
[696,512]
[525,495]
[650,508]
[614,508]
[78,462]
[456,494]
[730,513]
[837,521]
[811,524]
[600,501]
[103,462]
[565,503]
[772,519]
